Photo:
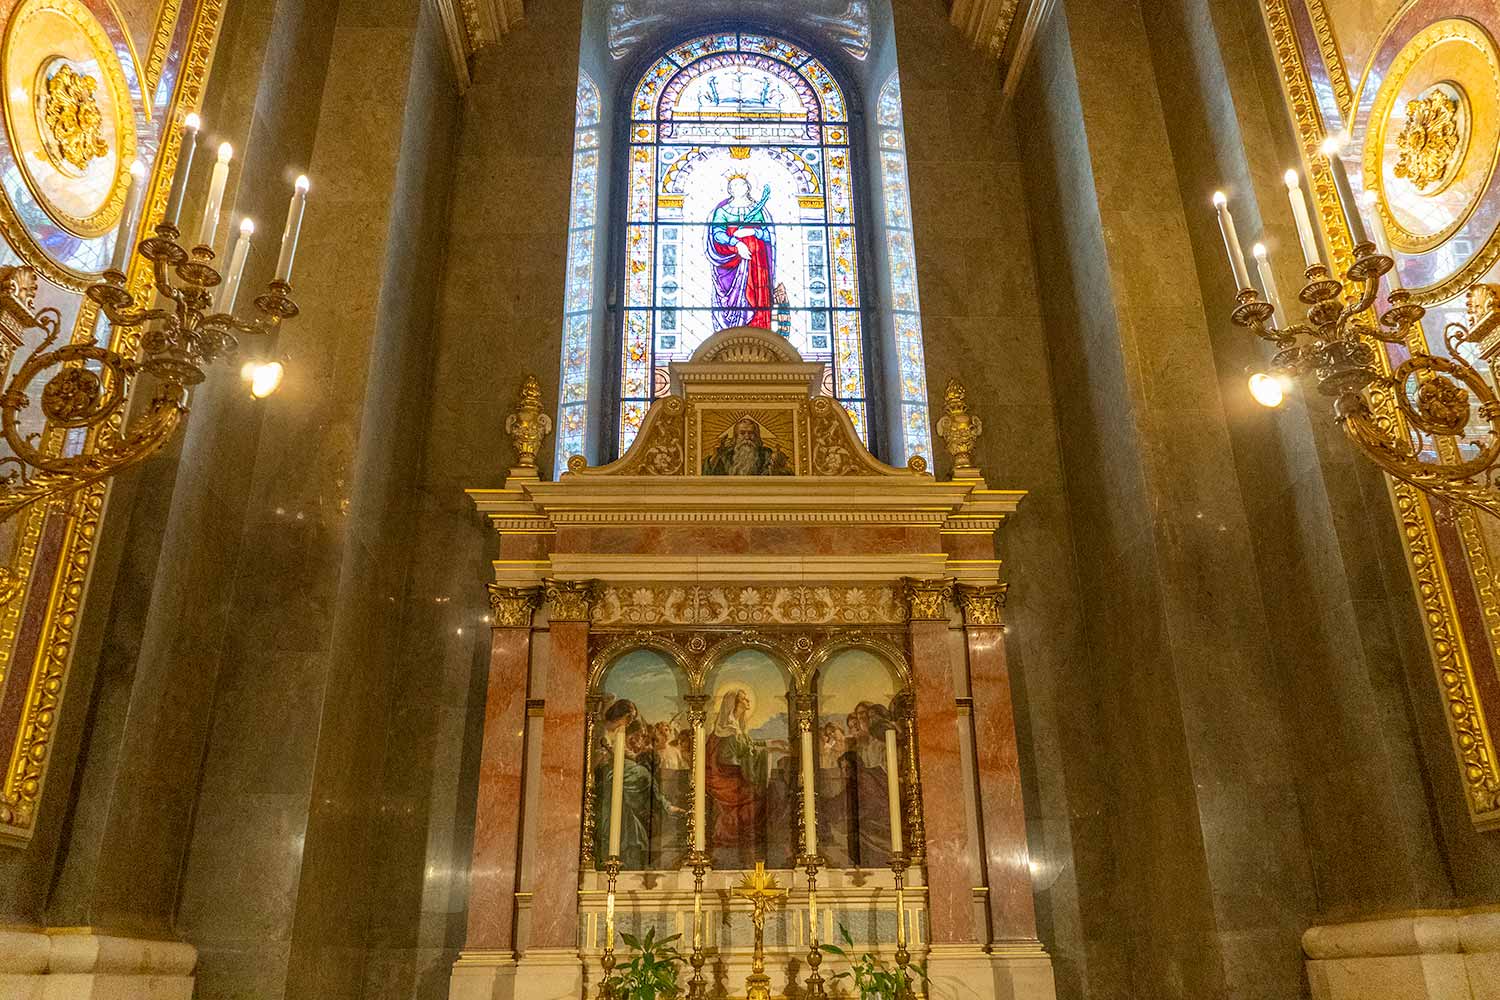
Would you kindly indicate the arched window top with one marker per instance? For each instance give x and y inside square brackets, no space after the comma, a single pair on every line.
[739,211]
[700,86]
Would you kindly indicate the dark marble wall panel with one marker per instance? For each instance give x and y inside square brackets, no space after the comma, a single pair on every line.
[982,322]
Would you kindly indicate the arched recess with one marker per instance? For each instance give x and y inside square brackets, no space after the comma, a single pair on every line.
[750,761]
[639,694]
[862,694]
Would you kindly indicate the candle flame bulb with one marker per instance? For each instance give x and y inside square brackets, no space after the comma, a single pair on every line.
[247,227]
[226,152]
[138,170]
[1267,390]
[192,121]
[1293,182]
[303,183]
[1220,198]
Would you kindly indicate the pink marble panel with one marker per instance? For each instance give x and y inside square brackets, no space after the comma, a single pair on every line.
[1007,862]
[554,872]
[952,870]
[492,878]
[729,539]
[521,545]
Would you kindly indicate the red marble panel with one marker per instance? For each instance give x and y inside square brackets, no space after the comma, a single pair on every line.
[497,825]
[952,870]
[554,871]
[968,546]
[525,545]
[1007,860]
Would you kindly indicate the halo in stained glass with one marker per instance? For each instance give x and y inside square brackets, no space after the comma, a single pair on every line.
[739,211]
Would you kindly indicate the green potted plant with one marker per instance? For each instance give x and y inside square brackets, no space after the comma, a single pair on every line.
[651,971]
[871,977]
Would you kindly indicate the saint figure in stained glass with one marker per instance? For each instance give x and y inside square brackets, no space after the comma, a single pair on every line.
[742,250]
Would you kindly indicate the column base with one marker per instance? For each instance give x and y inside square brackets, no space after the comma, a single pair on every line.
[65,964]
[1020,970]
[1437,956]
[483,975]
[549,974]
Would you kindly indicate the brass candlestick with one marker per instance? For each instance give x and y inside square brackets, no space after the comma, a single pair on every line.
[697,986]
[764,892]
[811,863]
[899,864]
[606,985]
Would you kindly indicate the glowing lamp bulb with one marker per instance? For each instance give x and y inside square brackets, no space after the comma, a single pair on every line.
[302,182]
[1259,251]
[1333,145]
[1267,390]
[1220,198]
[193,122]
[247,226]
[264,377]
[138,171]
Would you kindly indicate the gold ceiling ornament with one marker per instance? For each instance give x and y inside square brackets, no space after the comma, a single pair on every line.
[1430,140]
[71,119]
[528,424]
[959,429]
[512,607]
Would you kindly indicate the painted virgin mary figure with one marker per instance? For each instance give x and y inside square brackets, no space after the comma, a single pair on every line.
[742,250]
[735,775]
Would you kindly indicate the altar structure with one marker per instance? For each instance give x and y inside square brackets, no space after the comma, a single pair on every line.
[745,610]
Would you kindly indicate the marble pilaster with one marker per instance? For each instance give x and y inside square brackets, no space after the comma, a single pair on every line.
[497,824]
[950,856]
[1002,812]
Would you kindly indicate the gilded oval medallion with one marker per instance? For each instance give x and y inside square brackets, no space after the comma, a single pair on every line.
[68,114]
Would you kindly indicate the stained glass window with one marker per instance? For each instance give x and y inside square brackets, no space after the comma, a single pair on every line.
[578,293]
[916,433]
[739,211]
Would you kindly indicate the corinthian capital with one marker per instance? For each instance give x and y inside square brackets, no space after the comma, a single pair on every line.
[511,607]
[571,599]
[982,604]
[927,600]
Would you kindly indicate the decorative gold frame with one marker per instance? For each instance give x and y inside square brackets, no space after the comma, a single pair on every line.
[696,653]
[1473,742]
[24,778]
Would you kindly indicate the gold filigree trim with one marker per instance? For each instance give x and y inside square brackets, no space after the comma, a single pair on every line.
[927,600]
[512,607]
[569,600]
[1333,57]
[750,605]
[982,605]
[72,120]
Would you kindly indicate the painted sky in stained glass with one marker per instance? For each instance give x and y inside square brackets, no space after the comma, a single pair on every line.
[578,293]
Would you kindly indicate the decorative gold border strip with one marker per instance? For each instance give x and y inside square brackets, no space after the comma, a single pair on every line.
[26,771]
[1333,58]
[1452,663]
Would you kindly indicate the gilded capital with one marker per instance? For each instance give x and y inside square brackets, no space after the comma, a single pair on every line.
[959,428]
[511,607]
[571,600]
[982,604]
[527,424]
[927,600]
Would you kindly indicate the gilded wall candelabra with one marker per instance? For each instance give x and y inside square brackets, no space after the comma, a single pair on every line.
[184,323]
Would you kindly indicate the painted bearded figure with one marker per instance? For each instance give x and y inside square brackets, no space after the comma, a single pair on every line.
[744,452]
[742,249]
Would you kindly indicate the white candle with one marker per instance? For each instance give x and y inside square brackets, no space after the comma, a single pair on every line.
[1305,234]
[1382,241]
[1333,147]
[1232,242]
[135,189]
[893,789]
[230,290]
[209,230]
[292,231]
[700,834]
[184,166]
[616,793]
[809,800]
[1267,279]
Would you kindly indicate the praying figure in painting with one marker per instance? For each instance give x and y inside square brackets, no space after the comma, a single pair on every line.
[736,773]
[742,450]
[742,250]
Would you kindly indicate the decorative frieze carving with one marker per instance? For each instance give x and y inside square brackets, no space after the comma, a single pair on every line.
[864,604]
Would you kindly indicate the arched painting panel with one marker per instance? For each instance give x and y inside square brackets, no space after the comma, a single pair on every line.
[856,707]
